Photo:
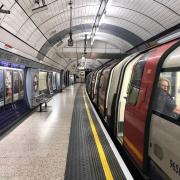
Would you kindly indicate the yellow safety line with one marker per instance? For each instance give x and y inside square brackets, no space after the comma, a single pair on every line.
[102,156]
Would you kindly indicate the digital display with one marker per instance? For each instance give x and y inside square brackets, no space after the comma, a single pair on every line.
[42,81]
[21,84]
[15,86]
[1,88]
[8,86]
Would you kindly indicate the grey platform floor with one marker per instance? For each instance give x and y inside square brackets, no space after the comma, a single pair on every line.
[83,160]
[37,148]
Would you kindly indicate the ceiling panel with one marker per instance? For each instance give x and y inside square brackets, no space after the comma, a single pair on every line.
[141,18]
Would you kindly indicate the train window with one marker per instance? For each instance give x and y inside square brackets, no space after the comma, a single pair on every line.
[134,86]
[167,95]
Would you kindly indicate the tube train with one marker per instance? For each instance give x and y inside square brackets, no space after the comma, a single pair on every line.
[134,107]
[23,88]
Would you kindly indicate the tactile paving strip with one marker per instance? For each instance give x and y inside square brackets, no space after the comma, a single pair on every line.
[83,162]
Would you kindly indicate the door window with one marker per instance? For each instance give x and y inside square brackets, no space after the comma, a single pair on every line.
[167,96]
[135,83]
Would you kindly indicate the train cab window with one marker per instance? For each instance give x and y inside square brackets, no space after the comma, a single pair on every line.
[134,86]
[167,95]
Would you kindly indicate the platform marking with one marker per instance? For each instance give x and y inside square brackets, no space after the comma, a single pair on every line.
[102,156]
[113,147]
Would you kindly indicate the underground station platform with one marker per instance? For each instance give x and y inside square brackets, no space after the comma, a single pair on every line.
[92,154]
[67,141]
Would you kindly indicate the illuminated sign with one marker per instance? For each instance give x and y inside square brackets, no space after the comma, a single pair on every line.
[12,65]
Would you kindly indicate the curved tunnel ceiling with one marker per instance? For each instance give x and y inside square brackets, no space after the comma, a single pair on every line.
[103,37]
[134,21]
[105,28]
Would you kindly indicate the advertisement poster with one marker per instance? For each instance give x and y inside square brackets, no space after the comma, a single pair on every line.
[58,80]
[42,81]
[8,86]
[1,88]
[54,80]
[21,84]
[50,83]
[15,86]
[35,84]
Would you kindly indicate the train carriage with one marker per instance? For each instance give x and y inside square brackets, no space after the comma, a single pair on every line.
[88,82]
[103,85]
[164,138]
[93,79]
[119,104]
[133,110]
[96,87]
[138,106]
[115,78]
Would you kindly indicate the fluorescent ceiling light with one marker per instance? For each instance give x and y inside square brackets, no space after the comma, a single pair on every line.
[39,9]
[52,33]
[59,43]
[170,37]
[4,11]
[108,5]
[102,19]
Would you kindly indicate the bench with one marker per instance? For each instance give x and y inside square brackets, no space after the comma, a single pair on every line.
[40,100]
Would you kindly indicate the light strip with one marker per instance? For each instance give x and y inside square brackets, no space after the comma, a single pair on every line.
[108,5]
[99,18]
[9,68]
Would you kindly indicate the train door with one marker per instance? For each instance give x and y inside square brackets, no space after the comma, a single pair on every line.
[103,89]
[112,87]
[115,78]
[164,143]
[93,83]
[96,86]
[89,82]
[138,100]
[110,92]
[123,96]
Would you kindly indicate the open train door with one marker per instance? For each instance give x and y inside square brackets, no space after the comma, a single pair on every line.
[137,109]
